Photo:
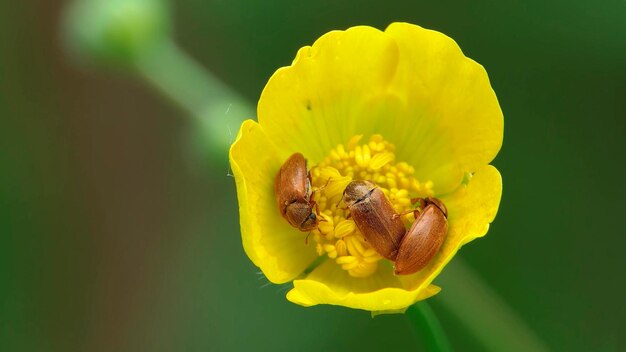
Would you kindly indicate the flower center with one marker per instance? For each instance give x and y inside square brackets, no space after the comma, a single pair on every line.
[337,235]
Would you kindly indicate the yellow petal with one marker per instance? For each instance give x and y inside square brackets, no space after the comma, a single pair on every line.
[329,284]
[274,246]
[450,121]
[320,100]
[471,208]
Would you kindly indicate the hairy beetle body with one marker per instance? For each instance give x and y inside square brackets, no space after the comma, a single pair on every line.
[292,188]
[375,217]
[423,240]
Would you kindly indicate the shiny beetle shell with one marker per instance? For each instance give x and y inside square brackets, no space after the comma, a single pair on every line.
[374,217]
[424,238]
[292,188]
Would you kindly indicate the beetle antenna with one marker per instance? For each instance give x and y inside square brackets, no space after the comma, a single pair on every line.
[326,184]
[317,212]
[339,202]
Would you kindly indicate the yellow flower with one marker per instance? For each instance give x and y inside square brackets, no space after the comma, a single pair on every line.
[403,108]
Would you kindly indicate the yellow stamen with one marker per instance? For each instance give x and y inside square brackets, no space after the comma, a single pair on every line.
[338,237]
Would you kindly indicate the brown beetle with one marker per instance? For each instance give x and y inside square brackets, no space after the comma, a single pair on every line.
[424,238]
[375,217]
[292,188]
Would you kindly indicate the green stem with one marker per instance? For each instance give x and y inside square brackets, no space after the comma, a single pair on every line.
[482,312]
[213,105]
[428,326]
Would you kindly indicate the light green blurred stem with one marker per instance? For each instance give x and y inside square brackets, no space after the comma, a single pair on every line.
[483,312]
[217,109]
[426,323]
[220,111]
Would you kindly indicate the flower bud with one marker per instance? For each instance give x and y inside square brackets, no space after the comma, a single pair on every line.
[115,32]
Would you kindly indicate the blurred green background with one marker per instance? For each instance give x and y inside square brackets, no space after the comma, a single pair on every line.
[116,236]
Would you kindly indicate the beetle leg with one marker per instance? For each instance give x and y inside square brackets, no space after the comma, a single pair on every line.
[320,218]
[326,184]
[320,188]
[415,211]
[422,201]
[309,181]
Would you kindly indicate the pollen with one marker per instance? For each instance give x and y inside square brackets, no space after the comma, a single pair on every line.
[337,236]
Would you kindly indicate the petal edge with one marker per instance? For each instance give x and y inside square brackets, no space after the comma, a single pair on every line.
[275,247]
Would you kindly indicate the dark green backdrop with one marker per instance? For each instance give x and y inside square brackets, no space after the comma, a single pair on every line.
[114,238]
